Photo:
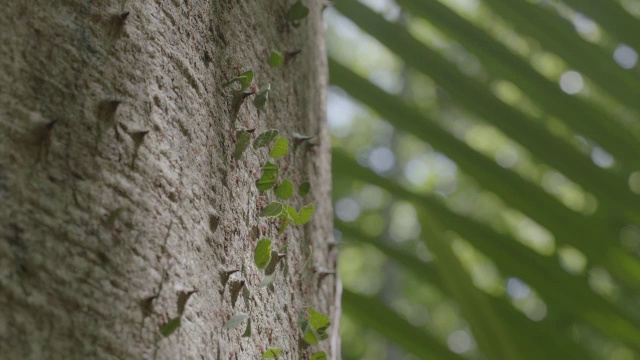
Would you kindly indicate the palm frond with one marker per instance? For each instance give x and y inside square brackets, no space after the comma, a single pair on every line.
[500,330]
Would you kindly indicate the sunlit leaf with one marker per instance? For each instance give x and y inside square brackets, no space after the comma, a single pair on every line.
[304,214]
[320,355]
[280,147]
[314,326]
[319,321]
[269,176]
[309,334]
[262,253]
[272,353]
[272,210]
[287,217]
[243,79]
[288,212]
[284,191]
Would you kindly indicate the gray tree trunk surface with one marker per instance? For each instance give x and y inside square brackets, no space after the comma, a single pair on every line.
[120,197]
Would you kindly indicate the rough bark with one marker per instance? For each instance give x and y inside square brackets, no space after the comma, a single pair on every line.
[118,186]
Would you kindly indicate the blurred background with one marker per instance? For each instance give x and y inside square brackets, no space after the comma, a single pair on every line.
[486,177]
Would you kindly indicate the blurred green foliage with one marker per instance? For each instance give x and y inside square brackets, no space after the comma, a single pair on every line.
[487,177]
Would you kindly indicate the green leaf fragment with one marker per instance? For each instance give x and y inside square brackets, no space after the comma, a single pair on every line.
[242,144]
[262,96]
[270,168]
[307,263]
[170,327]
[284,226]
[272,353]
[288,212]
[304,188]
[309,335]
[266,182]
[280,147]
[276,59]
[265,138]
[318,321]
[304,215]
[320,355]
[283,249]
[247,331]
[297,12]
[238,100]
[272,210]
[262,254]
[235,321]
[270,174]
[288,215]
[314,326]
[243,79]
[273,263]
[284,191]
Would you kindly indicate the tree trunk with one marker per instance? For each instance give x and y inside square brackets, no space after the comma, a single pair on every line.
[120,192]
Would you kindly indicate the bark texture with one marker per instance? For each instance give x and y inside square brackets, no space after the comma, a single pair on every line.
[119,192]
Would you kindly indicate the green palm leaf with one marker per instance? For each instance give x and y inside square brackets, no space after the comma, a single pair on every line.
[575,304]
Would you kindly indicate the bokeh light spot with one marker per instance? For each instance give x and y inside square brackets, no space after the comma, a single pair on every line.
[572,260]
[517,289]
[381,159]
[535,310]
[625,56]
[459,341]
[630,237]
[601,282]
[404,223]
[586,27]
[371,197]
[417,172]
[340,113]
[506,156]
[347,209]
[602,158]
[634,182]
[571,82]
